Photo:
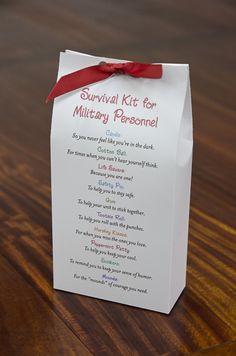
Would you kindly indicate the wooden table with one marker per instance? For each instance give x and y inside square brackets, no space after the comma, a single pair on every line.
[34,318]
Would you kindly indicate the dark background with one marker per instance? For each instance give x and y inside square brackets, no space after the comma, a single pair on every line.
[35,319]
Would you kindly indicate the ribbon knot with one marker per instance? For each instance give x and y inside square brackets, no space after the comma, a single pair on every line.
[117,68]
[93,74]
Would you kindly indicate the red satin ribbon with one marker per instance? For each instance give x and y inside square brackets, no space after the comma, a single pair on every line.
[102,71]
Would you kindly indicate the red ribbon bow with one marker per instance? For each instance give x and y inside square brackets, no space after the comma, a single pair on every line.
[102,71]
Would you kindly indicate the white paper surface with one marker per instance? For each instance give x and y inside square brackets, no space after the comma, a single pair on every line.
[120,190]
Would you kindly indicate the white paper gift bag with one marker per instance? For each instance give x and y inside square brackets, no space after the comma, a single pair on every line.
[121,155]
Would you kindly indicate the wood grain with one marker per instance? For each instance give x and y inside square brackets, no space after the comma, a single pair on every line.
[35,319]
[28,326]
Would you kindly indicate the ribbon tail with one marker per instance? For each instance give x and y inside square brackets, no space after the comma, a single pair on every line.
[143,70]
[77,80]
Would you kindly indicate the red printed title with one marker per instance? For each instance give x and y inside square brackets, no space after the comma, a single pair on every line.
[121,102]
